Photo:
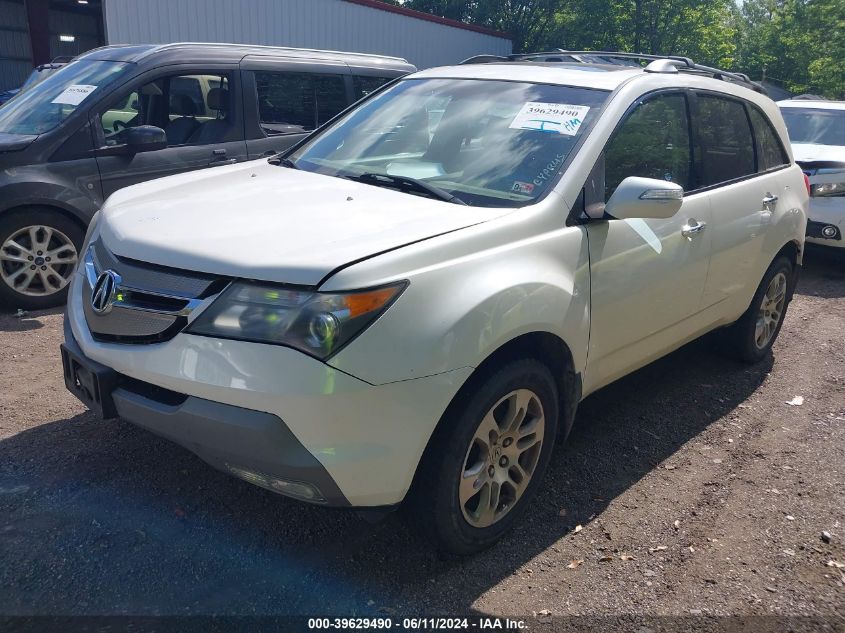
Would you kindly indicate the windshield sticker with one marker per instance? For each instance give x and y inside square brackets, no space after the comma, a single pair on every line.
[523,187]
[74,95]
[556,118]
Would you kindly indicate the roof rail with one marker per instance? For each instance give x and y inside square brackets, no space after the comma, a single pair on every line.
[657,63]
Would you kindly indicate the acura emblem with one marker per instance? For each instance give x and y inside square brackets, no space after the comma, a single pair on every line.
[103,293]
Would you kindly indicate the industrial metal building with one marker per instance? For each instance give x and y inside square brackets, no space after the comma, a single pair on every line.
[33,32]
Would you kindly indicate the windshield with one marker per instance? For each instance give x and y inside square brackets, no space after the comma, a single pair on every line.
[487,143]
[49,103]
[37,76]
[815,125]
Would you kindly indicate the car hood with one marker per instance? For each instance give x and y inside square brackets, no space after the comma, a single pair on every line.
[812,153]
[15,142]
[266,222]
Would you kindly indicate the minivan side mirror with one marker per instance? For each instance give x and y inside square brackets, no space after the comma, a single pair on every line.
[637,197]
[145,138]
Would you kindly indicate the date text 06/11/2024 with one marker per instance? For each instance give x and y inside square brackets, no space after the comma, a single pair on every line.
[415,624]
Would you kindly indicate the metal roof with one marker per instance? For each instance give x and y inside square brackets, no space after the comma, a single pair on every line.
[206,51]
[821,104]
[604,77]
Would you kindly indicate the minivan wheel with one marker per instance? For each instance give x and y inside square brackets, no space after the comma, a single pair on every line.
[39,250]
[485,462]
[753,335]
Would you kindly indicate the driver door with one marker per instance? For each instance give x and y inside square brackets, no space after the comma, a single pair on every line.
[199,110]
[647,275]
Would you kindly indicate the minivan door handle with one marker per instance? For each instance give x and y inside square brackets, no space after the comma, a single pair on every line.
[693,228]
[218,157]
[770,198]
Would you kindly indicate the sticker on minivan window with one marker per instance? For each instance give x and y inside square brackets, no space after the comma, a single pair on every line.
[556,118]
[75,94]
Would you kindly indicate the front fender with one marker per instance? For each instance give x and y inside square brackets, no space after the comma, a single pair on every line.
[70,186]
[458,312]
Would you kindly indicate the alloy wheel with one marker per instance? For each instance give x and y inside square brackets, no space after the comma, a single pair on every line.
[501,458]
[771,311]
[37,260]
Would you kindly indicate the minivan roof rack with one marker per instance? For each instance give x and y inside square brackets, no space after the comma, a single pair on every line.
[657,63]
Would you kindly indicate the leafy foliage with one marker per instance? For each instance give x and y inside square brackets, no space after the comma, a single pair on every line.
[797,43]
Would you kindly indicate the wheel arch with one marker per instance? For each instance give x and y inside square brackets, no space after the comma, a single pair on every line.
[67,211]
[546,347]
[793,251]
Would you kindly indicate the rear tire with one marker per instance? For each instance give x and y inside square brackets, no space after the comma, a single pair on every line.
[751,338]
[486,459]
[39,250]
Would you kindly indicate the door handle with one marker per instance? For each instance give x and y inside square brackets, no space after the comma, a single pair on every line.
[693,228]
[218,157]
[770,198]
[270,152]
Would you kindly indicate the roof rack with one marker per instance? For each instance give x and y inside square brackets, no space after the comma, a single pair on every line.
[657,63]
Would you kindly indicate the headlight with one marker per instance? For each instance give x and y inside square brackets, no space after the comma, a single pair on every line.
[827,189]
[317,323]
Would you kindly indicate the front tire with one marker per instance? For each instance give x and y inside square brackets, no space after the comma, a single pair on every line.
[752,336]
[487,458]
[39,249]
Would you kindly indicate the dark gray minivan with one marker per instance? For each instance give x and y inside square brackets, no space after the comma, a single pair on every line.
[120,115]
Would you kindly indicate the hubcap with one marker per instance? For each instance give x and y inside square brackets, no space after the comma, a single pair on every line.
[37,260]
[501,458]
[771,311]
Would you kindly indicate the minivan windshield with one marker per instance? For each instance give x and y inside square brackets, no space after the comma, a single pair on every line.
[480,142]
[49,103]
[815,125]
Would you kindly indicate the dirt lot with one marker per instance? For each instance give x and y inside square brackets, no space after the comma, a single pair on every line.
[695,467]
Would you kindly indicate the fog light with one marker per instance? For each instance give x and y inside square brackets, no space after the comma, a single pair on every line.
[296,489]
[829,231]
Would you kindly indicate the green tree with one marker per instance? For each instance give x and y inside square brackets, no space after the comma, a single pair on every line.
[799,43]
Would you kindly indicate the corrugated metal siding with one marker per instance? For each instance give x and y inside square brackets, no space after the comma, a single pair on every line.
[83,27]
[324,24]
[15,53]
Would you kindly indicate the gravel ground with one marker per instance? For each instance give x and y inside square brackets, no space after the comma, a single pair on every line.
[690,487]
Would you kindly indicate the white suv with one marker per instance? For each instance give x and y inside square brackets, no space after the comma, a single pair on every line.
[412,302]
[817,132]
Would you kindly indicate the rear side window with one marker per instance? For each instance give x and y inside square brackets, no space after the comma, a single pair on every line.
[652,142]
[770,152]
[726,144]
[292,103]
[330,91]
[362,86]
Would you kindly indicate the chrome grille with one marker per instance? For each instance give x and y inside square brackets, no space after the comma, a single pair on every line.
[151,303]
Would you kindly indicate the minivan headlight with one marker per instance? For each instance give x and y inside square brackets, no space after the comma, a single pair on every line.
[317,323]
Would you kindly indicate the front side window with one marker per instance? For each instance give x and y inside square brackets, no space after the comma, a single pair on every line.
[191,109]
[652,142]
[770,152]
[724,135]
[49,103]
[293,103]
[821,126]
[488,143]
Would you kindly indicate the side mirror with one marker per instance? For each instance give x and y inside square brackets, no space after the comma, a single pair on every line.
[145,138]
[637,197]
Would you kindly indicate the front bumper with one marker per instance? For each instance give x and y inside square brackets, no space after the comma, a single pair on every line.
[823,213]
[253,445]
[274,411]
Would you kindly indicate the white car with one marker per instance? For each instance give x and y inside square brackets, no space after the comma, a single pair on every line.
[817,132]
[412,302]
